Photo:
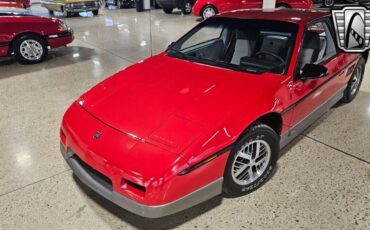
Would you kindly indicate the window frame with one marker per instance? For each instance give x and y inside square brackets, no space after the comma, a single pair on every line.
[323,20]
[231,66]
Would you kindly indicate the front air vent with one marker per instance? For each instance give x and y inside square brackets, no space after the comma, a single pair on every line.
[134,188]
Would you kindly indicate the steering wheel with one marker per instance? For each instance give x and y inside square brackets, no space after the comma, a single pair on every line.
[277,57]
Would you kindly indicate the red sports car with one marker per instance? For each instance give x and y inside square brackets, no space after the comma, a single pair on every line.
[15,3]
[210,114]
[28,37]
[208,8]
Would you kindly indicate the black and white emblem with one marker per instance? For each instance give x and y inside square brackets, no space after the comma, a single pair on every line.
[352,26]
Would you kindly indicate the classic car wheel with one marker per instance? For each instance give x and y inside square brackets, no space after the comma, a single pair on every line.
[168,10]
[251,161]
[30,49]
[95,12]
[329,3]
[355,82]
[208,11]
[186,7]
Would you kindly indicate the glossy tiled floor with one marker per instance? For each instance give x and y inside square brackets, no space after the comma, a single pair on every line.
[322,181]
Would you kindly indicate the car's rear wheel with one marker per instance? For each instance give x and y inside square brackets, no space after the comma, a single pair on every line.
[30,49]
[95,12]
[355,81]
[168,10]
[208,11]
[186,7]
[329,3]
[51,12]
[251,161]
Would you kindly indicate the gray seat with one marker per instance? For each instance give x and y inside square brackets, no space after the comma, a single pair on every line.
[310,49]
[244,46]
[274,44]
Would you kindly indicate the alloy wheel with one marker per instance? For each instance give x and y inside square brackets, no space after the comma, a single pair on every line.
[208,12]
[188,7]
[31,50]
[355,83]
[250,162]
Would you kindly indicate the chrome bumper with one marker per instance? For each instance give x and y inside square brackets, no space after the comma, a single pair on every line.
[211,190]
[81,6]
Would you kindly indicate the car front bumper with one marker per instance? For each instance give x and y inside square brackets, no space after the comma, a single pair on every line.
[89,178]
[81,7]
[58,40]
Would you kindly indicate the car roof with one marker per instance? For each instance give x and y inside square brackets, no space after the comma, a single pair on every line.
[291,15]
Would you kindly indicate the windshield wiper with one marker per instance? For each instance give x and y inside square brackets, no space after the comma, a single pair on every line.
[178,52]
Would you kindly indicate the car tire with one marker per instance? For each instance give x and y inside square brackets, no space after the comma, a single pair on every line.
[245,172]
[328,3]
[208,11]
[30,49]
[186,7]
[354,82]
[51,12]
[95,12]
[168,10]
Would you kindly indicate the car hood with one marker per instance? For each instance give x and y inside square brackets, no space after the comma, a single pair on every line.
[170,101]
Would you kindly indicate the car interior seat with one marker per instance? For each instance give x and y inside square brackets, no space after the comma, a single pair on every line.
[274,44]
[310,49]
[322,48]
[244,45]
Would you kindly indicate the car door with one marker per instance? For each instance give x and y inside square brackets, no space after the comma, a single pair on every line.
[314,96]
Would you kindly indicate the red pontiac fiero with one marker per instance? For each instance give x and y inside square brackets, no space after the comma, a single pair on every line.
[28,37]
[210,114]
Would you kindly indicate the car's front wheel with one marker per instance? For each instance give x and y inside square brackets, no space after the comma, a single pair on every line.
[251,160]
[208,11]
[30,49]
[95,12]
[355,82]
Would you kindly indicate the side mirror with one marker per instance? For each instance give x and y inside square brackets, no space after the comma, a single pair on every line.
[313,71]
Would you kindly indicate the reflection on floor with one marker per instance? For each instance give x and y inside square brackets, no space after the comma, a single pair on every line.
[322,181]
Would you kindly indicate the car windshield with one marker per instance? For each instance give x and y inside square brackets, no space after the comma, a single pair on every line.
[256,46]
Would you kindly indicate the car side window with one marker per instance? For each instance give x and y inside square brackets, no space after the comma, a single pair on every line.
[317,46]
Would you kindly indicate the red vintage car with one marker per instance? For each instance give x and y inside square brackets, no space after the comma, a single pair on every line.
[210,114]
[15,3]
[208,8]
[28,37]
